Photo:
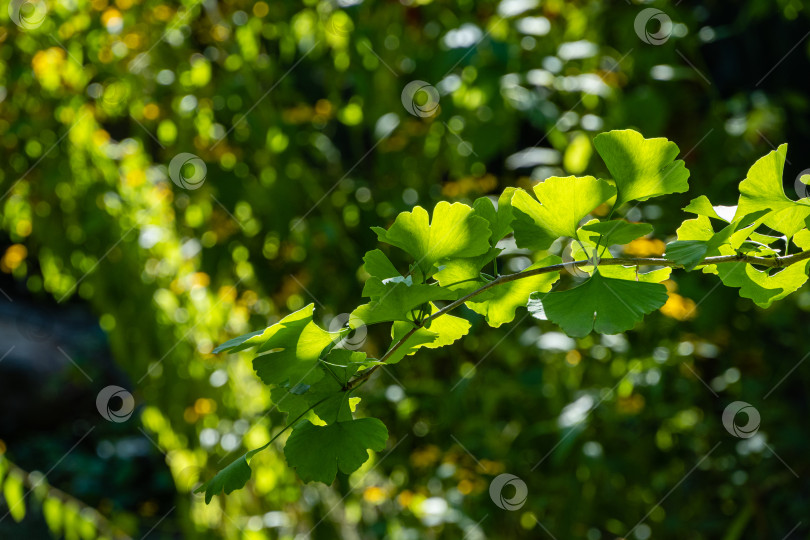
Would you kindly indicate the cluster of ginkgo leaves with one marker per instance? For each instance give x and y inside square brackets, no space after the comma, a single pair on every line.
[313,378]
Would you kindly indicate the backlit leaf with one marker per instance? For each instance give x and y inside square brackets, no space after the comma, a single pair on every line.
[560,206]
[642,168]
[317,452]
[606,305]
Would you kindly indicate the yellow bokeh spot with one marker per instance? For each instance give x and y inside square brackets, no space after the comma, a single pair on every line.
[151,111]
[465,487]
[110,15]
[645,247]
[13,257]
[132,40]
[162,12]
[679,307]
[190,416]
[260,9]
[220,33]
[374,495]
[405,498]
[573,357]
[205,406]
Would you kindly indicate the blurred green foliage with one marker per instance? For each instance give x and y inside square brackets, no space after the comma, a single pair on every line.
[296,111]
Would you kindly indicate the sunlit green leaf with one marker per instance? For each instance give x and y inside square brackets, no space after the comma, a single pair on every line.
[290,350]
[453,231]
[560,206]
[498,304]
[618,231]
[500,219]
[764,287]
[443,331]
[762,190]
[642,168]
[394,301]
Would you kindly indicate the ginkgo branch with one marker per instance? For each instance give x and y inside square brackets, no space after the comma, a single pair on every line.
[768,262]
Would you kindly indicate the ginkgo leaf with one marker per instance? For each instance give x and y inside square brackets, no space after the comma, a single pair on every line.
[686,252]
[642,168]
[563,203]
[631,273]
[291,348]
[606,305]
[762,190]
[443,331]
[378,265]
[317,452]
[703,207]
[464,275]
[618,231]
[228,480]
[500,219]
[327,398]
[394,301]
[762,287]
[498,304]
[240,343]
[802,239]
[453,231]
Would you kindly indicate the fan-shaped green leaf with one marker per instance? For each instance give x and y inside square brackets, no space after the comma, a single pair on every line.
[454,231]
[642,168]
[762,190]
[394,301]
[618,231]
[290,349]
[498,304]
[606,305]
[317,452]
[563,203]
